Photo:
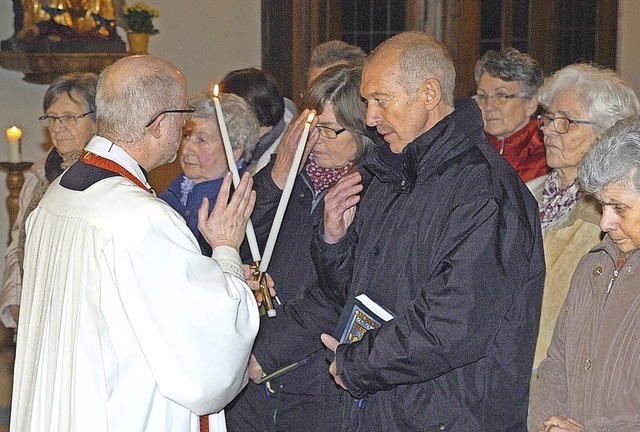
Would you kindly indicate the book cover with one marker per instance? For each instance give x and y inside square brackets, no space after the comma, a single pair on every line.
[360,315]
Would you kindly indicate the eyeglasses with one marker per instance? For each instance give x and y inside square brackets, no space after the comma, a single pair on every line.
[66,120]
[560,124]
[328,132]
[188,111]
[498,98]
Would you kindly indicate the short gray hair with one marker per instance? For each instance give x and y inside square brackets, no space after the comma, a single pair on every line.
[124,107]
[420,57]
[336,51]
[613,157]
[74,85]
[240,120]
[511,65]
[603,94]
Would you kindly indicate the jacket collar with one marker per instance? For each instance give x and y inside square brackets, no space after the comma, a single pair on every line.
[444,141]
[609,247]
[528,136]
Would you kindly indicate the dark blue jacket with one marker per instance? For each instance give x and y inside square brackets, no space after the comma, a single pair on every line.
[451,244]
[305,398]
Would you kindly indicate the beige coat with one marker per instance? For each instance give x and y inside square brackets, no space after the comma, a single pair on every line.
[11,288]
[592,371]
[565,243]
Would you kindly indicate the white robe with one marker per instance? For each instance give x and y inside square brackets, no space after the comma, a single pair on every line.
[124,325]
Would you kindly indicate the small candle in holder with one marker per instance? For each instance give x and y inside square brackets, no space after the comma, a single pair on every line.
[14,134]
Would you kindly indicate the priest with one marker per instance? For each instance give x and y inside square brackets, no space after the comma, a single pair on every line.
[125,325]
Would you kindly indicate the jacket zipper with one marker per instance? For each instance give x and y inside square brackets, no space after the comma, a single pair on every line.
[610,286]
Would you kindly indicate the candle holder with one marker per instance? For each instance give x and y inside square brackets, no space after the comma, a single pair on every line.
[15,179]
[267,303]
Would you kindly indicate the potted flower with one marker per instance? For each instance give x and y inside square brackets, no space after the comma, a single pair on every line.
[138,21]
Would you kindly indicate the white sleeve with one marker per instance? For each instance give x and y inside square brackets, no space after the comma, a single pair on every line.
[194,321]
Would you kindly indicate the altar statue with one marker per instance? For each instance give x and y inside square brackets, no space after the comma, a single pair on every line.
[65,26]
[77,14]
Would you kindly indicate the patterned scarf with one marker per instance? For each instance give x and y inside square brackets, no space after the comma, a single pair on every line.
[186,186]
[557,202]
[322,178]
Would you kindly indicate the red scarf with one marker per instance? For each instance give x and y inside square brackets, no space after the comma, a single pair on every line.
[322,178]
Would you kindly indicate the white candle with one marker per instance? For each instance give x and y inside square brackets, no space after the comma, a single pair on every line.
[13,137]
[284,199]
[251,236]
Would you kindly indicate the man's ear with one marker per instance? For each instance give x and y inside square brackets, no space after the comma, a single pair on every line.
[155,129]
[431,93]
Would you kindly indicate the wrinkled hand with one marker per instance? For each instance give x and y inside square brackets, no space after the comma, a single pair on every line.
[289,144]
[560,424]
[226,225]
[332,343]
[340,206]
[249,273]
[255,370]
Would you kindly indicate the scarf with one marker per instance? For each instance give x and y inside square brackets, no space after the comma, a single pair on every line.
[557,202]
[322,178]
[186,186]
[53,167]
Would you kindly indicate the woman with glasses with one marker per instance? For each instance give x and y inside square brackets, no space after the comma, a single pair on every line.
[202,156]
[306,398]
[581,101]
[69,116]
[506,94]
[589,380]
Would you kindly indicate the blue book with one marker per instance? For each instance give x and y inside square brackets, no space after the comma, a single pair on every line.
[360,315]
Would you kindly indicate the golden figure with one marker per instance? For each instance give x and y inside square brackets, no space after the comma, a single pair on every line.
[76,14]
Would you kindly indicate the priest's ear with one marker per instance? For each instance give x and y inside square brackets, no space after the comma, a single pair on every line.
[155,127]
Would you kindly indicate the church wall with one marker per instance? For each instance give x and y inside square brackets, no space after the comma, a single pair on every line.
[628,55]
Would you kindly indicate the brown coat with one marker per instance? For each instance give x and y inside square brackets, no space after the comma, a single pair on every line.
[565,243]
[592,373]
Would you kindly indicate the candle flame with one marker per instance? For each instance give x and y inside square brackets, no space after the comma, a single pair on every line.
[216,90]
[14,132]
[310,117]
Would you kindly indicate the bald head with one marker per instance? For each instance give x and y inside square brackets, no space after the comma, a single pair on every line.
[132,91]
[418,57]
[131,69]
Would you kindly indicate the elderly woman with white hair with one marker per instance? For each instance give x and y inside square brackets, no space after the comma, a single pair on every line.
[202,155]
[589,380]
[581,102]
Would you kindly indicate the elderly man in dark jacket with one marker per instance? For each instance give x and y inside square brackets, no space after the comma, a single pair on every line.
[447,238]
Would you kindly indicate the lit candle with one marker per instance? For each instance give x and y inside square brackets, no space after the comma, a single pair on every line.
[251,236]
[284,199]
[14,134]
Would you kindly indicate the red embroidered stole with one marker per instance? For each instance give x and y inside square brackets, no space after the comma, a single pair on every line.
[104,163]
[204,423]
